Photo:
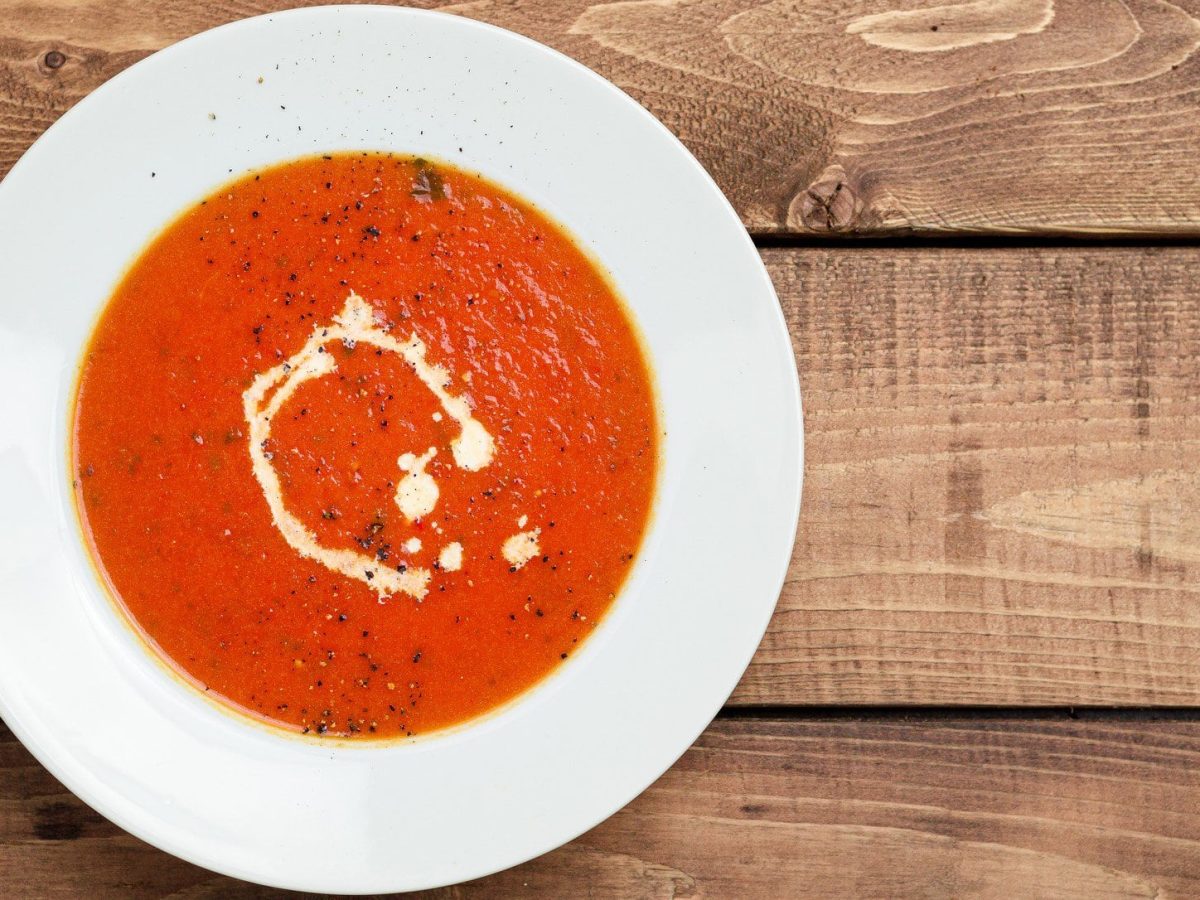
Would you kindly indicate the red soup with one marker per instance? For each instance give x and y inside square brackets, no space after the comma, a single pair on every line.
[364,445]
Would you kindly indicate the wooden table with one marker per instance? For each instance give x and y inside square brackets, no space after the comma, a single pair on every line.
[984,672]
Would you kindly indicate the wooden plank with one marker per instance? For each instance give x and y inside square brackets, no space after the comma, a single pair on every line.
[1003,807]
[1002,487]
[1013,116]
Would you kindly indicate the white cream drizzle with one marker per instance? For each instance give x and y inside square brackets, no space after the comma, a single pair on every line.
[521,548]
[416,493]
[451,557]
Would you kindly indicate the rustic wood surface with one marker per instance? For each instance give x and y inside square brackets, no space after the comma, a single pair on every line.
[1002,496]
[880,115]
[828,807]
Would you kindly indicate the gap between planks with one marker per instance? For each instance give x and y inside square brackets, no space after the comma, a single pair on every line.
[981,714]
[780,240]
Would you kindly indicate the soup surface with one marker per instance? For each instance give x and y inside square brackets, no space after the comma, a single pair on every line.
[364,445]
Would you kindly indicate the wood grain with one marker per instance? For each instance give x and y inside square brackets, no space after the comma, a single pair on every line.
[1002,486]
[928,808]
[1040,116]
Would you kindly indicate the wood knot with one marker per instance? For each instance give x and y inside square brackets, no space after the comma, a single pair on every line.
[828,204]
[55,59]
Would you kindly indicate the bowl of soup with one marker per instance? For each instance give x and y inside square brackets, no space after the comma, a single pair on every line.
[404,452]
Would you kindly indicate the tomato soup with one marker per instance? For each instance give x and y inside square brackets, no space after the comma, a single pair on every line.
[364,445]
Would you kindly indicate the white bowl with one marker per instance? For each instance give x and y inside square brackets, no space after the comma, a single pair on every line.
[146,750]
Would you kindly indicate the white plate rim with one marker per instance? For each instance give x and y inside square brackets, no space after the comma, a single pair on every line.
[78,782]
